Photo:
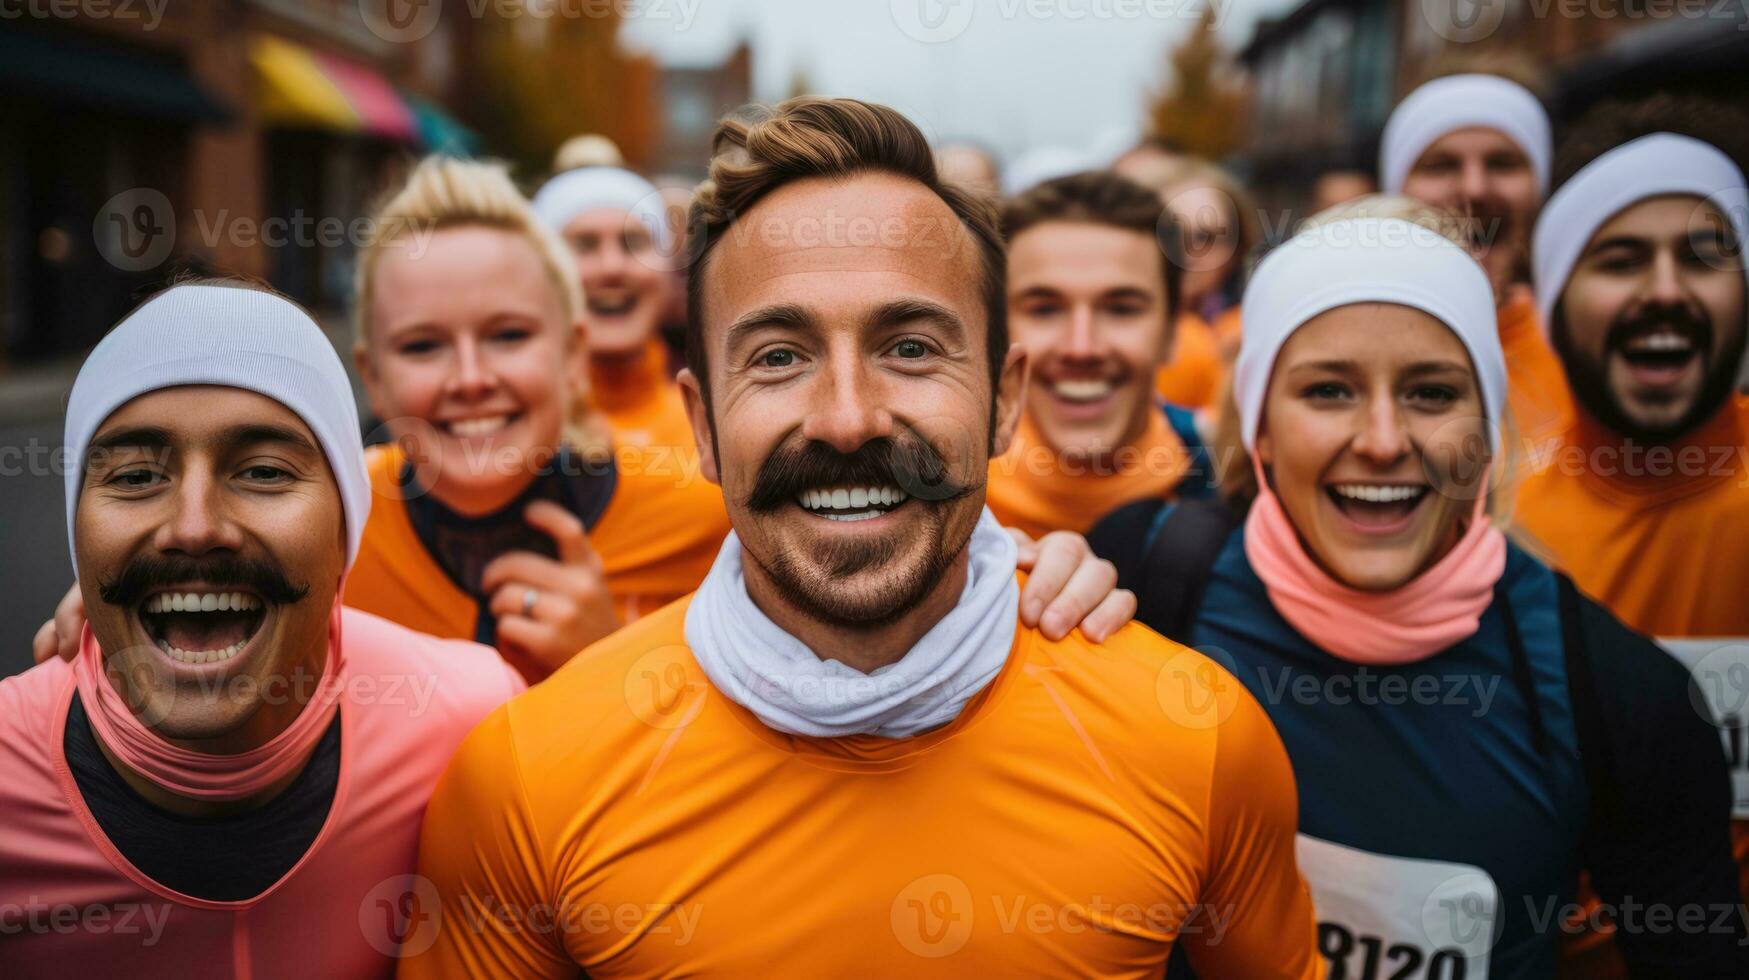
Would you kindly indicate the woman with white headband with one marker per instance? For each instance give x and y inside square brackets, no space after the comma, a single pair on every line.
[1467,731]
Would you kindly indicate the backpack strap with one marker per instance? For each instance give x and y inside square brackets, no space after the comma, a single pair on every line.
[1163,553]
[1594,747]
[1199,481]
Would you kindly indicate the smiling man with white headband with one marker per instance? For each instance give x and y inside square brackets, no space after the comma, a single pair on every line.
[1478,145]
[845,755]
[230,773]
[617,227]
[1640,273]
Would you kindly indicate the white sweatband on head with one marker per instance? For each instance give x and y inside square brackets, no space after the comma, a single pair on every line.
[1446,105]
[586,189]
[1365,260]
[1651,166]
[236,338]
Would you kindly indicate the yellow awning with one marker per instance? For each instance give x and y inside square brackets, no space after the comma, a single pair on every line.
[295,90]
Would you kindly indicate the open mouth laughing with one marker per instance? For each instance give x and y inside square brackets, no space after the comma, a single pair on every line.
[197,625]
[1377,508]
[851,503]
[611,304]
[1661,357]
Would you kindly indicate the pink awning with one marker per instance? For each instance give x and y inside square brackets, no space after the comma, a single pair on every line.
[381,110]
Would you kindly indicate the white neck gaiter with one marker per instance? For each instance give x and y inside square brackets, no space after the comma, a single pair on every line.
[772,674]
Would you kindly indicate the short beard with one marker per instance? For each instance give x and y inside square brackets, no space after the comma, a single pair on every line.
[1589,379]
[826,599]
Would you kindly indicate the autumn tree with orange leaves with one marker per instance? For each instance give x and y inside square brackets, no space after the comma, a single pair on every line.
[1201,106]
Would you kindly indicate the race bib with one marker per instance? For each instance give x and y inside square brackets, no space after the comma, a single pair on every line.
[1395,918]
[1720,669]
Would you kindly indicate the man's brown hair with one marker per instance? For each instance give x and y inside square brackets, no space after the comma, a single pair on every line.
[835,138]
[1103,198]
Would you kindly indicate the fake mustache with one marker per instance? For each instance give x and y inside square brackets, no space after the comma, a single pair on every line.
[148,573]
[908,463]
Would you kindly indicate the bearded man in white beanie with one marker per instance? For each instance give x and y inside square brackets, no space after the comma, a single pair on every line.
[228,778]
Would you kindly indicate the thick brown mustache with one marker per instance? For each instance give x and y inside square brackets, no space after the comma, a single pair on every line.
[148,572]
[909,463]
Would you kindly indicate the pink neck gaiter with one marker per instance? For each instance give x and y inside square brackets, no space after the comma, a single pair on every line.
[198,775]
[1434,610]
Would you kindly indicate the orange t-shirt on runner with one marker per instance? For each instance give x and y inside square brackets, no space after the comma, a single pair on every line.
[1536,383]
[1192,376]
[642,404]
[657,539]
[1655,533]
[1089,809]
[1034,489]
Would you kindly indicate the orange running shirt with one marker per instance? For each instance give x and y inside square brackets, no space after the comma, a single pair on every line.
[1034,489]
[1654,533]
[1536,383]
[626,818]
[657,539]
[642,404]
[1192,376]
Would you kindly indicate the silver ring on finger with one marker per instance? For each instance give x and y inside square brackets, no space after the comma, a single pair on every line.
[529,596]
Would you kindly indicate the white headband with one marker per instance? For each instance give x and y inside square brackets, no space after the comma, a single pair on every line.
[1456,102]
[586,189]
[1364,260]
[237,338]
[1651,166]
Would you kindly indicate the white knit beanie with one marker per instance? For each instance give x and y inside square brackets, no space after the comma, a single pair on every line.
[235,337]
[1456,102]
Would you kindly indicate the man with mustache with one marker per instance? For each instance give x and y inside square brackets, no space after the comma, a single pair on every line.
[1478,145]
[1093,295]
[228,777]
[1643,496]
[844,754]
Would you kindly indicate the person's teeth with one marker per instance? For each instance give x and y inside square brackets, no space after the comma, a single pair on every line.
[1082,389]
[202,656]
[841,499]
[859,497]
[1379,494]
[1661,341]
[483,426]
[860,516]
[164,602]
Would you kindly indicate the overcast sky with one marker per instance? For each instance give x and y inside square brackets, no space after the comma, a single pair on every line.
[1007,73]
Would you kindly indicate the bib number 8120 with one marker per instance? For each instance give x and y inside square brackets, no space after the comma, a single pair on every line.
[1405,961]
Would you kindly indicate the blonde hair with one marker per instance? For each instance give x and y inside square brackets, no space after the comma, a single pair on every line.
[1234,473]
[587,150]
[446,192]
[1448,225]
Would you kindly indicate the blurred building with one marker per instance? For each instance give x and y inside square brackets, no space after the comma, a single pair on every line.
[1325,75]
[238,136]
[693,98]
